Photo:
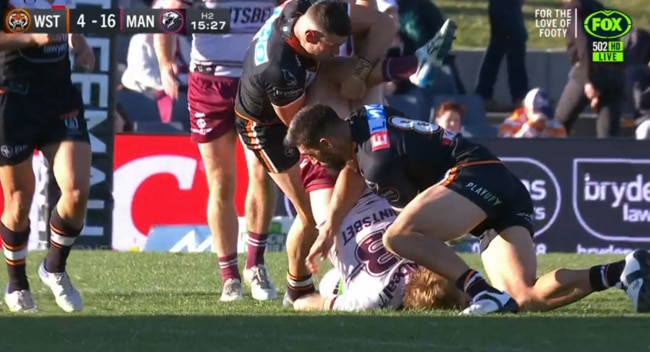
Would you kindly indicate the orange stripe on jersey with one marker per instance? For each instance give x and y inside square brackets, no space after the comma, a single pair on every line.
[453,172]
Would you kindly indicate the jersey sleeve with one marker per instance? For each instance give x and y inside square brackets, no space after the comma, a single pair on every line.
[284,83]
[389,180]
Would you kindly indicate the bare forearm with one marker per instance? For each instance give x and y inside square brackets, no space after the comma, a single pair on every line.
[15,41]
[348,189]
[165,48]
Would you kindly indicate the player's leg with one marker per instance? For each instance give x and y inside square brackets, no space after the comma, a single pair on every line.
[282,163]
[261,198]
[210,102]
[511,264]
[419,68]
[18,183]
[67,149]
[439,214]
[18,137]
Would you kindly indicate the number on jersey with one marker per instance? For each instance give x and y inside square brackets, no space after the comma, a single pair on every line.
[375,257]
[421,127]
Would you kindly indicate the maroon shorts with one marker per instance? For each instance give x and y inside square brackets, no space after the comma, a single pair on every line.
[211,102]
[314,176]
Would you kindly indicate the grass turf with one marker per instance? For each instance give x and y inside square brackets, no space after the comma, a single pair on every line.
[474,27]
[167,302]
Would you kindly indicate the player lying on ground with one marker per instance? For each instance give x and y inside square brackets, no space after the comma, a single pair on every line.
[278,67]
[372,277]
[446,186]
[41,109]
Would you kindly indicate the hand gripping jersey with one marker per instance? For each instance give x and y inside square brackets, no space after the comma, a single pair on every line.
[273,72]
[226,51]
[35,65]
[399,157]
[372,276]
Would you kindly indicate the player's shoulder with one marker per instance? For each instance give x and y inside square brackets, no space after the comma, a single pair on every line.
[294,8]
[283,64]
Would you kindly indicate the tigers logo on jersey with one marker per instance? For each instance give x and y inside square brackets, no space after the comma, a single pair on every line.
[18,21]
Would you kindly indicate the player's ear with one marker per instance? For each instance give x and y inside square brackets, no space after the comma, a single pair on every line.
[325,143]
[312,36]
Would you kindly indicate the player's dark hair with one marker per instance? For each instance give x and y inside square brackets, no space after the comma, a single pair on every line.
[331,16]
[312,123]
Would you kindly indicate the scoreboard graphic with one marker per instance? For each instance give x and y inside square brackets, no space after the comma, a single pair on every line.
[117,21]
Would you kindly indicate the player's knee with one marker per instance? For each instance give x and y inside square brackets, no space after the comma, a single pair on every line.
[18,205]
[258,178]
[395,238]
[75,196]
[526,298]
[221,181]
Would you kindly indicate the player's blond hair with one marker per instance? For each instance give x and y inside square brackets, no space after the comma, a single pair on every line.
[428,290]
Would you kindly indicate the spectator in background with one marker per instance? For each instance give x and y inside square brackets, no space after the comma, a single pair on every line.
[642,104]
[534,119]
[142,72]
[600,85]
[508,36]
[637,58]
[449,116]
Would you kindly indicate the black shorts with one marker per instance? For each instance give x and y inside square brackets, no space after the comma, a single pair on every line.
[30,121]
[496,190]
[267,142]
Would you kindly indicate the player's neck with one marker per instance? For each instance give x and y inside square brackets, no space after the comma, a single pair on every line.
[299,33]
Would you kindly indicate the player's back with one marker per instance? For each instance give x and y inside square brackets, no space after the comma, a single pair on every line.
[372,276]
[424,151]
[49,63]
[270,59]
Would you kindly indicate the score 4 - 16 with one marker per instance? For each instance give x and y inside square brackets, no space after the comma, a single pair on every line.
[107,20]
[607,51]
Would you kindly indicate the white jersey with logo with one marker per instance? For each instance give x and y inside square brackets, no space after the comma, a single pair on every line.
[226,51]
[372,276]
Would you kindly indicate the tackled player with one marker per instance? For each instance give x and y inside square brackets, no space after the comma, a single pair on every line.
[446,186]
[280,64]
[372,277]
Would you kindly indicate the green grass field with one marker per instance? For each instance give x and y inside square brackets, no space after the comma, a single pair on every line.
[474,27]
[169,303]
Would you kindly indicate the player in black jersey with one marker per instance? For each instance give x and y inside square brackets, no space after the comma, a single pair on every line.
[40,109]
[281,63]
[444,187]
